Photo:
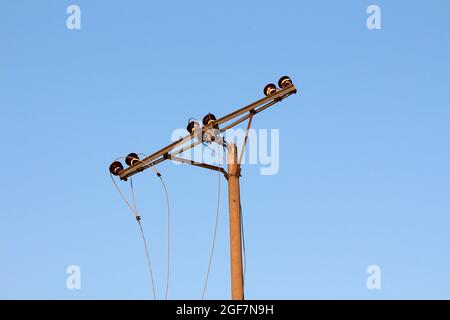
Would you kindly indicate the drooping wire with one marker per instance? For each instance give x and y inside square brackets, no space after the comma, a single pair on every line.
[168,233]
[148,258]
[138,219]
[133,210]
[214,237]
[158,174]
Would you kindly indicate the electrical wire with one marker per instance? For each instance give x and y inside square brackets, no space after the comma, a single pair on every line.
[168,233]
[158,174]
[216,220]
[137,216]
[134,210]
[148,258]
[138,219]
[214,238]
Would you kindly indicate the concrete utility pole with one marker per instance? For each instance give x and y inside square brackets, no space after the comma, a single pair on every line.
[234,202]
[273,95]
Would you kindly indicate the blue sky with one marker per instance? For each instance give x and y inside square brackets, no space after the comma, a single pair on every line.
[364,148]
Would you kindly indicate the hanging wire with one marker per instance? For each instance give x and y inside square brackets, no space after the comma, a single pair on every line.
[168,224]
[137,216]
[214,238]
[168,233]
[138,219]
[133,210]
[148,258]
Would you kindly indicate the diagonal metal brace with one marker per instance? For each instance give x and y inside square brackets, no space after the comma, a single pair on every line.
[199,164]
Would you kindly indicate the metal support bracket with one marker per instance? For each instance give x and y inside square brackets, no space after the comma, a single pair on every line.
[199,164]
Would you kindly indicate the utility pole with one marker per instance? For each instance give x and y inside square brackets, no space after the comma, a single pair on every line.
[234,203]
[198,135]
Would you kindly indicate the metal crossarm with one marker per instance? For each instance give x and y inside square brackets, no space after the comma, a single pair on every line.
[164,153]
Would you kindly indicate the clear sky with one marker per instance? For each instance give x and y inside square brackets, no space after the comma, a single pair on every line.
[364,173]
